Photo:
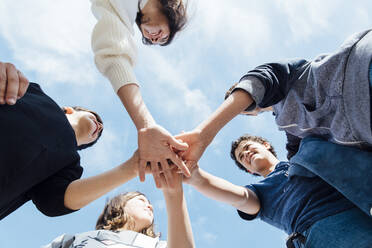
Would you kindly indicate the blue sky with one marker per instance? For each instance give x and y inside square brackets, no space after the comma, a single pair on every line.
[49,41]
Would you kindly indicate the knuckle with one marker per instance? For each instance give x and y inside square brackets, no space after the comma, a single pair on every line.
[10,66]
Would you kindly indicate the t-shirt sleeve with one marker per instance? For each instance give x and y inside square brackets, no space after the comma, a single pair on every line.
[269,83]
[49,195]
[246,216]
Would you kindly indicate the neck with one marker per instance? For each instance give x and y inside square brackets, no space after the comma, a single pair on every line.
[273,161]
[74,126]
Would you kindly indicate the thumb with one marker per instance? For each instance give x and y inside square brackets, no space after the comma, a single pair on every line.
[177,144]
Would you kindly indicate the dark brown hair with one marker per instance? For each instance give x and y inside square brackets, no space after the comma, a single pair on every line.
[175,12]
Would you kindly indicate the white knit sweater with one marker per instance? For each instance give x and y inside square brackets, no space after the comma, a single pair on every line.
[114,49]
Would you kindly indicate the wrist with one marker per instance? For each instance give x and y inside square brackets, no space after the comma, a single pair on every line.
[172,192]
[130,167]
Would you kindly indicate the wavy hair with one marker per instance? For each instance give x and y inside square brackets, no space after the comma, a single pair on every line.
[115,218]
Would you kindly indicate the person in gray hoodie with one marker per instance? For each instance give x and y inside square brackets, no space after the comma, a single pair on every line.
[329,97]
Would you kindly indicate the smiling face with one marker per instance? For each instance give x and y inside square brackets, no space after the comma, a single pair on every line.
[141,211]
[155,28]
[154,24]
[255,157]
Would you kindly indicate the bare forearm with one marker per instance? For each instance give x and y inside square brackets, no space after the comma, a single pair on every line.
[231,107]
[130,96]
[83,191]
[221,190]
[179,226]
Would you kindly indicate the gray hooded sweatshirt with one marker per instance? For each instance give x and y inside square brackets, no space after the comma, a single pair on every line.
[328,97]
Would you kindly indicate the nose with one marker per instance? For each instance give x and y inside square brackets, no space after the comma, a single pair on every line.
[155,38]
[149,206]
[100,127]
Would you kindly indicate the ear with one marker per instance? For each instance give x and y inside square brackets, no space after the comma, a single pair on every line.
[68,110]
[267,145]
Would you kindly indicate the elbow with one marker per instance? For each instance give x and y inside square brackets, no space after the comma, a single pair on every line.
[249,203]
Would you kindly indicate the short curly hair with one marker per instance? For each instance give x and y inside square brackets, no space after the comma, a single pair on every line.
[176,14]
[114,216]
[247,137]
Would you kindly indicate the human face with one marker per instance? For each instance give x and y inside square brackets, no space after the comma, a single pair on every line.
[140,209]
[87,126]
[255,157]
[154,26]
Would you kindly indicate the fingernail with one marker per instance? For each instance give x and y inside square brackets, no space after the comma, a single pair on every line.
[11,101]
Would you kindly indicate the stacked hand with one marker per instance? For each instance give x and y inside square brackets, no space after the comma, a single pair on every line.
[157,149]
[13,84]
[164,154]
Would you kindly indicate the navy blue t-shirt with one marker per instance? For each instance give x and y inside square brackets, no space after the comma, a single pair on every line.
[293,204]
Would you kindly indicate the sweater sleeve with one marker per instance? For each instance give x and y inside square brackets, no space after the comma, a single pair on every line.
[269,83]
[113,45]
[49,195]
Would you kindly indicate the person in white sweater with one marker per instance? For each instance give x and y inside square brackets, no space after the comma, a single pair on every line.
[115,56]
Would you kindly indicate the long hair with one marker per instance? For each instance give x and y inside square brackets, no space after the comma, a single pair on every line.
[115,218]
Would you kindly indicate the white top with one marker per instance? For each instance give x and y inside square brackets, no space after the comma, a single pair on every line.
[106,239]
[115,52]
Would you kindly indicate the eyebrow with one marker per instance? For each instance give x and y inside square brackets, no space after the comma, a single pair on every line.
[246,145]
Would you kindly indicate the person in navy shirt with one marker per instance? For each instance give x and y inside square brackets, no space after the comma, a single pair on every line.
[312,212]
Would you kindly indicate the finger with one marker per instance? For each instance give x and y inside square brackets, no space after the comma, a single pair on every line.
[162,181]
[141,169]
[191,164]
[12,85]
[167,172]
[2,82]
[156,174]
[180,164]
[178,145]
[23,85]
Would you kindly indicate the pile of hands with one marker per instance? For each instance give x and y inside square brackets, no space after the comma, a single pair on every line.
[170,159]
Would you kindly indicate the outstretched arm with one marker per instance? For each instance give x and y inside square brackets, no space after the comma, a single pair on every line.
[81,192]
[179,226]
[115,56]
[154,142]
[221,190]
[202,136]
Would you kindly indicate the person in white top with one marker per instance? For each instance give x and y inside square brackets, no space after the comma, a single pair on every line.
[127,220]
[115,56]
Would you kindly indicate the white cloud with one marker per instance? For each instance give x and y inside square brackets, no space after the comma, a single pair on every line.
[51,38]
[107,153]
[240,27]
[169,78]
[306,17]
[210,238]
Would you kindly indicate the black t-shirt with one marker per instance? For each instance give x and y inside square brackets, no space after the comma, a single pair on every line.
[38,154]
